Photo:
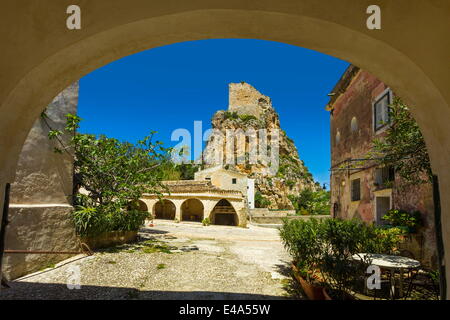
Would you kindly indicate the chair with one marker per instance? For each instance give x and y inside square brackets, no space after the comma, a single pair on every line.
[423,282]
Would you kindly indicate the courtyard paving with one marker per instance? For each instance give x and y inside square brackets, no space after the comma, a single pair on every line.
[171,261]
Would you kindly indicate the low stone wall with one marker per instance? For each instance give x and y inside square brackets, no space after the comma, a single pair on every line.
[110,239]
[40,228]
[266,216]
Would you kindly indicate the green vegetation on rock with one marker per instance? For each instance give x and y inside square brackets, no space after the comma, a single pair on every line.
[311,202]
[261,201]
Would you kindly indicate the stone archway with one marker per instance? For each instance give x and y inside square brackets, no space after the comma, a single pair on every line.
[402,54]
[138,205]
[224,214]
[164,209]
[192,210]
[142,206]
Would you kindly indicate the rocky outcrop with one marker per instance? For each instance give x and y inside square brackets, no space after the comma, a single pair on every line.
[251,111]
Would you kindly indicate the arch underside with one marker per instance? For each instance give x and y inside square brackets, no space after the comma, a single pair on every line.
[412,61]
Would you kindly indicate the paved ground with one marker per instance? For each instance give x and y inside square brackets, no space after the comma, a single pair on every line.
[171,261]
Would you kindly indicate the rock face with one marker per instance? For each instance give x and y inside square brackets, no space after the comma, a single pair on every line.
[252,113]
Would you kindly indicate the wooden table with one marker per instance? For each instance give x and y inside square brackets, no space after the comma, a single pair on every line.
[392,263]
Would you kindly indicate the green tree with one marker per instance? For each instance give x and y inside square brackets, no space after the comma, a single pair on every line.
[261,201]
[311,202]
[403,147]
[187,170]
[115,174]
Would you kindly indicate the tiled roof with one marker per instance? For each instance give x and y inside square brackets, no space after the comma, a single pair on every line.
[193,186]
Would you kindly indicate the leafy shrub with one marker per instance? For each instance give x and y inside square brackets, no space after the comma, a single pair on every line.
[92,221]
[403,147]
[385,240]
[247,117]
[341,240]
[230,115]
[206,222]
[115,174]
[261,201]
[303,212]
[325,247]
[314,202]
[300,239]
[401,218]
[290,183]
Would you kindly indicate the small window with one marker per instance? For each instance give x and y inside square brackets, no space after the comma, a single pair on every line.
[381,111]
[356,190]
[233,181]
[338,137]
[208,178]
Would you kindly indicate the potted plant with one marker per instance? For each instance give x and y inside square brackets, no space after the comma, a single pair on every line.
[302,240]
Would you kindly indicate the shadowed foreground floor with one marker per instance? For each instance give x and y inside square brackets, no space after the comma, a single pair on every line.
[171,261]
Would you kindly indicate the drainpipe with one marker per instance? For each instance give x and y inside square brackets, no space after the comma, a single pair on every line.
[439,241]
[3,229]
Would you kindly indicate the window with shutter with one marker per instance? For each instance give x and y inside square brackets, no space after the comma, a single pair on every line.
[381,111]
[384,176]
[356,190]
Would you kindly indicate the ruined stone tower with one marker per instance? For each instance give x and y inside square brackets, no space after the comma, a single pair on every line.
[249,109]
[246,100]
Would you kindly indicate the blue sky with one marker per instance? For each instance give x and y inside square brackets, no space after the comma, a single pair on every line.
[170,87]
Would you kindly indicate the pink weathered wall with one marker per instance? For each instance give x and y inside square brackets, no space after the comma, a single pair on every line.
[356,101]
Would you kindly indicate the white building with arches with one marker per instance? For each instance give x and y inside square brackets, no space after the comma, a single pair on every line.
[216,193]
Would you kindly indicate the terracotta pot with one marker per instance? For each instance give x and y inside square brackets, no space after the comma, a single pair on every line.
[312,292]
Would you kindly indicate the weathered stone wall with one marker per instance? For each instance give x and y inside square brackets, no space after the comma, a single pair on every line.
[264,215]
[223,179]
[354,100]
[276,218]
[246,100]
[40,200]
[420,198]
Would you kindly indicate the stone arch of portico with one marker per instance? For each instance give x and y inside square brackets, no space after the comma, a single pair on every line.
[42,57]
[164,209]
[192,209]
[224,213]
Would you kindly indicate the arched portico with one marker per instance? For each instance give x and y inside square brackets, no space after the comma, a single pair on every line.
[164,209]
[42,57]
[224,214]
[192,210]
[142,206]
